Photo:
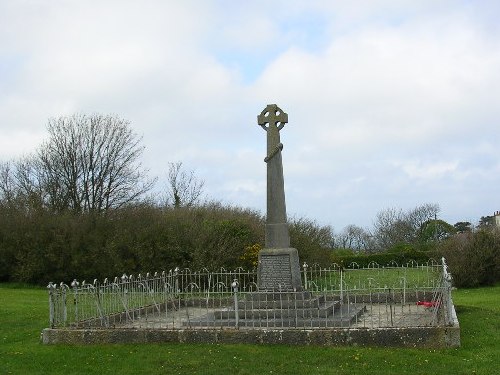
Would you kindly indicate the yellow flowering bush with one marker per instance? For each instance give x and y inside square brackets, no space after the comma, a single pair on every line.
[251,255]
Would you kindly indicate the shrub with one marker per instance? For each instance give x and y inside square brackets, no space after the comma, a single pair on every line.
[38,246]
[311,240]
[473,258]
[250,257]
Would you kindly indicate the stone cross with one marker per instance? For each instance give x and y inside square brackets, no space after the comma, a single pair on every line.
[278,268]
[276,226]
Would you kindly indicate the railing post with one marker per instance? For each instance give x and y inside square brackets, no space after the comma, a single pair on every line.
[447,283]
[341,286]
[402,280]
[125,300]
[64,308]
[176,276]
[235,290]
[305,274]
[74,285]
[52,288]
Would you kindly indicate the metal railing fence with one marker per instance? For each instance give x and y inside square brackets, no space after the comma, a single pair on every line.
[376,296]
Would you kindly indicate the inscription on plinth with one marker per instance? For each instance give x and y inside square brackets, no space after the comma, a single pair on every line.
[276,271]
[279,269]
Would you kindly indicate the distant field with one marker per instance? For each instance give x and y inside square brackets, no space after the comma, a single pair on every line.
[24,313]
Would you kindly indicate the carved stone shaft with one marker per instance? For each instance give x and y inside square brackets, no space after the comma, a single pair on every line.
[277,235]
[278,267]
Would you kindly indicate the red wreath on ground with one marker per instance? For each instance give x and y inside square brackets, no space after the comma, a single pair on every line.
[428,303]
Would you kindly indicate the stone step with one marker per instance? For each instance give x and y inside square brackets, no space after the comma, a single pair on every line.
[276,295]
[344,316]
[281,303]
[321,311]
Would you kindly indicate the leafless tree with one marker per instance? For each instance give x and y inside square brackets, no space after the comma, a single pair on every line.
[19,183]
[6,182]
[355,238]
[421,215]
[88,163]
[393,226]
[183,189]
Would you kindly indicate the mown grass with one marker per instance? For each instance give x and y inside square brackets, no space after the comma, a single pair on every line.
[23,314]
[366,278]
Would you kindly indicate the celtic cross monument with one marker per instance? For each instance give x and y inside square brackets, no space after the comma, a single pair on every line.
[278,267]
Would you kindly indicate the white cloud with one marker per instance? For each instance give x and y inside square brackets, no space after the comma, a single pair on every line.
[420,170]
[380,94]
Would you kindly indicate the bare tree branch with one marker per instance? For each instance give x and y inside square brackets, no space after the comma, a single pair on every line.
[184,189]
[88,163]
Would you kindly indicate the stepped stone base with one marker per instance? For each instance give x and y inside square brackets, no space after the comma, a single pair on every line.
[281,310]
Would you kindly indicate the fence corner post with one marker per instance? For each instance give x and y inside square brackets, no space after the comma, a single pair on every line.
[447,284]
[51,287]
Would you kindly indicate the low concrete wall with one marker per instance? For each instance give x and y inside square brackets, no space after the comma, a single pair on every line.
[414,337]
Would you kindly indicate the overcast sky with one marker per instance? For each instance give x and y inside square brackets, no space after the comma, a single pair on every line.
[390,103]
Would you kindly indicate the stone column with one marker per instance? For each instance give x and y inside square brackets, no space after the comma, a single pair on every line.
[278,267]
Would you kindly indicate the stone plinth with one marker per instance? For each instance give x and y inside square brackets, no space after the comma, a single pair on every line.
[279,270]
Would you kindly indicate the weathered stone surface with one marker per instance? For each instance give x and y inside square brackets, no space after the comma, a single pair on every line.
[414,337]
[234,336]
[275,119]
[278,267]
[272,119]
[197,336]
[161,335]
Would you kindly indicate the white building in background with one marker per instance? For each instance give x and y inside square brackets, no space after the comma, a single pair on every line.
[497,219]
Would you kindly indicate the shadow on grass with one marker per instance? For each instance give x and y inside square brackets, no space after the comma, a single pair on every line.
[461,309]
[21,286]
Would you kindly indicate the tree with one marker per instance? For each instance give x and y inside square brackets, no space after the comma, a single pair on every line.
[184,189]
[355,238]
[486,222]
[7,183]
[88,163]
[393,227]
[20,184]
[390,228]
[313,241]
[473,257]
[462,226]
[436,230]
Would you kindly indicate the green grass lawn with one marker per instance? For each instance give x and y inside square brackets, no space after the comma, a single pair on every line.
[24,313]
[411,277]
